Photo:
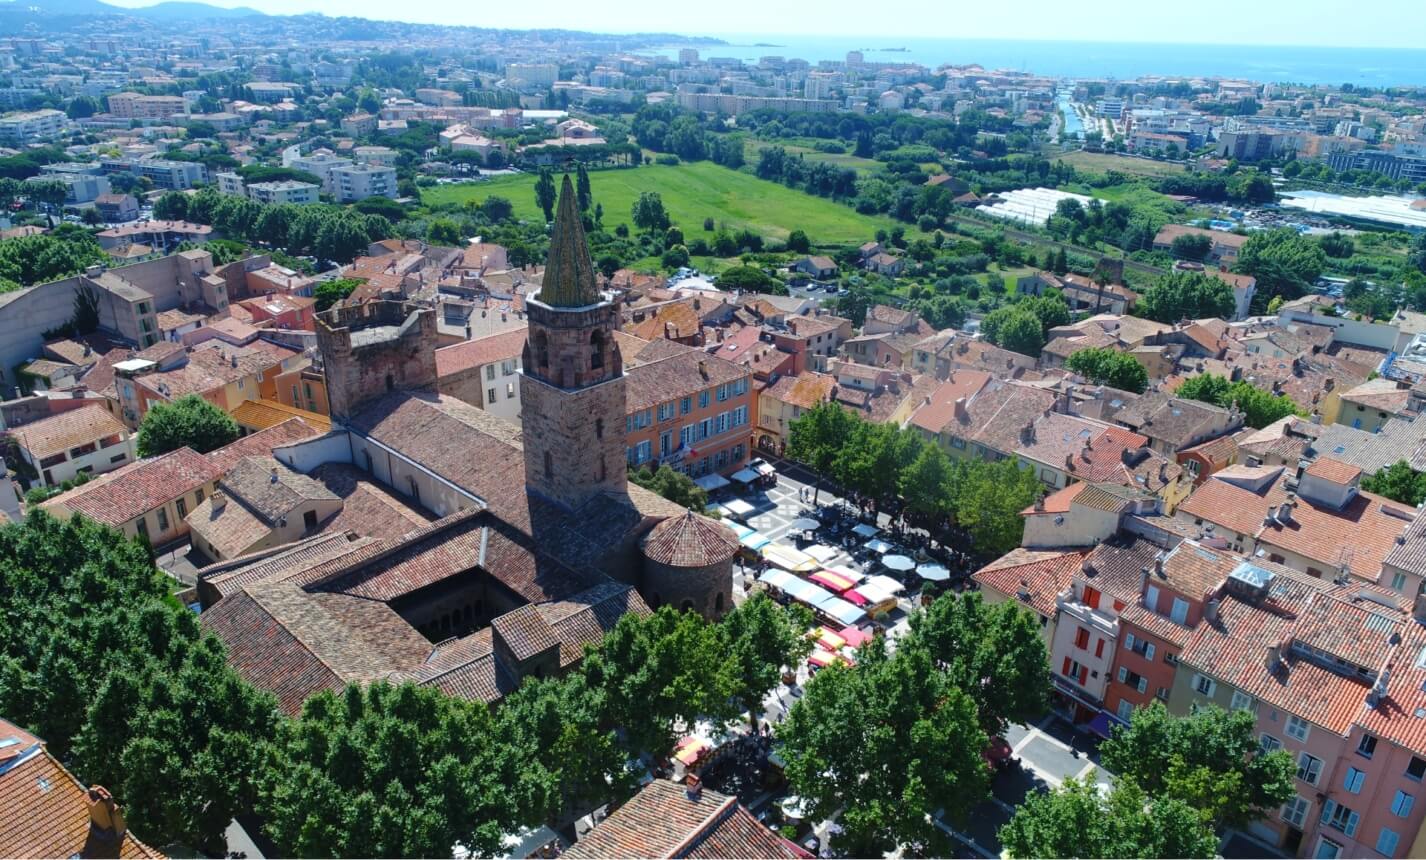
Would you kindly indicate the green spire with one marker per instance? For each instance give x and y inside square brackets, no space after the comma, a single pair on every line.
[569,271]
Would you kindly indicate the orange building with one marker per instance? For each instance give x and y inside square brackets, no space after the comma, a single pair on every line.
[688,410]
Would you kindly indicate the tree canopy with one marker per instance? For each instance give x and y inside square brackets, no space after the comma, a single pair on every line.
[190,421]
[30,260]
[1078,820]
[1284,262]
[1212,760]
[749,279]
[1259,407]
[1399,482]
[1105,366]
[114,674]
[1187,295]
[672,485]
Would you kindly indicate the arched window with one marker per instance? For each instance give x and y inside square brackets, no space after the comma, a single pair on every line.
[549,465]
[542,349]
[596,349]
[718,604]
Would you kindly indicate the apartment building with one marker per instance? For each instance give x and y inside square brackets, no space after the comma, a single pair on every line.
[23,129]
[287,191]
[148,498]
[359,181]
[484,372]
[140,106]
[165,174]
[688,410]
[80,188]
[88,439]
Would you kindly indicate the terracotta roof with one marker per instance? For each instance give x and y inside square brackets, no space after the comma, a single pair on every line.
[45,810]
[262,443]
[804,390]
[941,406]
[129,493]
[1035,578]
[582,619]
[690,541]
[481,351]
[66,430]
[1194,570]
[1334,470]
[675,320]
[270,489]
[1383,394]
[662,820]
[1363,633]
[368,509]
[1057,502]
[273,563]
[683,371]
[262,414]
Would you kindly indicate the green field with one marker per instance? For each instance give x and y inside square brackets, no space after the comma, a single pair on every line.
[751,148]
[1103,162]
[691,192]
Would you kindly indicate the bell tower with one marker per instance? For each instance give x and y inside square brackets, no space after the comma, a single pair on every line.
[572,383]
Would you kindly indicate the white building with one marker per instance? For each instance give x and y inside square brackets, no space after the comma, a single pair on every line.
[80,187]
[532,75]
[231,183]
[21,129]
[360,181]
[320,164]
[288,191]
[87,439]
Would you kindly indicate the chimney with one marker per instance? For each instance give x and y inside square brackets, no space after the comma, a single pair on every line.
[1274,659]
[693,787]
[219,500]
[703,369]
[1069,462]
[960,409]
[1040,504]
[233,360]
[1087,567]
[1210,611]
[106,820]
[273,477]
[1164,472]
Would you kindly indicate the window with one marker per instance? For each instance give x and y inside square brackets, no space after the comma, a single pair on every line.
[198,493]
[1241,701]
[1327,849]
[1353,781]
[143,529]
[1267,743]
[1294,812]
[162,520]
[1125,710]
[703,399]
[1398,581]
[490,395]
[182,508]
[1366,747]
[83,449]
[1386,842]
[1099,648]
[509,391]
[117,458]
[1204,685]
[1309,768]
[507,367]
[1179,613]
[1297,728]
[1151,598]
[1416,769]
[1339,817]
[490,372]
[1091,597]
[957,442]
[1401,804]
[1081,639]
[685,406]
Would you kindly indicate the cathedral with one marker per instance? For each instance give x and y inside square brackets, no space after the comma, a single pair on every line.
[538,544]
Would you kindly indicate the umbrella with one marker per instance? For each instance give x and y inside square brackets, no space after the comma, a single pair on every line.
[898,562]
[933,572]
[879,545]
[804,524]
[866,530]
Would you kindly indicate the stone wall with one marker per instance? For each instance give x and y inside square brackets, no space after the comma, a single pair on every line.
[375,347]
[574,440]
[696,588]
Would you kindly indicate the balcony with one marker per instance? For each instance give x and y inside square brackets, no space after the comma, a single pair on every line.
[1068,604]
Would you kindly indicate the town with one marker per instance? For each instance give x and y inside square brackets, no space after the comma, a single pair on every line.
[430,440]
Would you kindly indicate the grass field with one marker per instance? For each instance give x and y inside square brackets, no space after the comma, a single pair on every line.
[1103,162]
[751,148]
[691,193]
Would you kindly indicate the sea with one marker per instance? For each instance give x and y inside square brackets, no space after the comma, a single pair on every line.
[1370,67]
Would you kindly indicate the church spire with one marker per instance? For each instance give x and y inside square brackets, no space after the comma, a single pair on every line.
[569,272]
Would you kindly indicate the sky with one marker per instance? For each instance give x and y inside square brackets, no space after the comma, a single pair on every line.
[1374,23]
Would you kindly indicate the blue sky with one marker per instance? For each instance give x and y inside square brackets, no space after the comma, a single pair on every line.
[1373,23]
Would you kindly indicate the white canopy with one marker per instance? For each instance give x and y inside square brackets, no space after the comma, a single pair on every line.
[821,552]
[739,508]
[844,611]
[766,469]
[711,482]
[745,476]
[933,572]
[898,562]
[777,578]
[883,583]
[865,530]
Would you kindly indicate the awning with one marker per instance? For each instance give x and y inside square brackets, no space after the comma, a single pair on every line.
[691,749]
[777,578]
[843,611]
[865,530]
[739,508]
[712,482]
[788,558]
[828,639]
[745,476]
[739,529]
[822,552]
[879,545]
[754,540]
[855,636]
[765,469]
[856,597]
[1103,724]
[805,592]
[834,581]
[843,570]
[933,572]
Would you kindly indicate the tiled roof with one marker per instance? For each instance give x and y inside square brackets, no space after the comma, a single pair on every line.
[525,632]
[262,414]
[681,374]
[1118,566]
[481,351]
[262,443]
[940,406]
[1195,570]
[1059,501]
[804,390]
[1360,632]
[1359,536]
[44,810]
[1035,578]
[1382,394]
[1172,419]
[583,619]
[274,563]
[368,509]
[130,492]
[1334,470]
[66,430]
[662,820]
[690,540]
[270,489]
[1153,623]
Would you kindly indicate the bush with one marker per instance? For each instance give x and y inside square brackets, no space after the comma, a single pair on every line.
[669,160]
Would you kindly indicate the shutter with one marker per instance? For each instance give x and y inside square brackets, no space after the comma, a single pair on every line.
[1129,641]
[1066,670]
[1149,651]
[1083,675]
[1123,675]
[1353,819]
[1099,649]
[1143,684]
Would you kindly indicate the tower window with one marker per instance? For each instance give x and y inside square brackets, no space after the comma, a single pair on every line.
[390,382]
[599,428]
[549,466]
[542,350]
[596,346]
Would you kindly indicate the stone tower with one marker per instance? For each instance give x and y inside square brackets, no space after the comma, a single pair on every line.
[373,348]
[572,383]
